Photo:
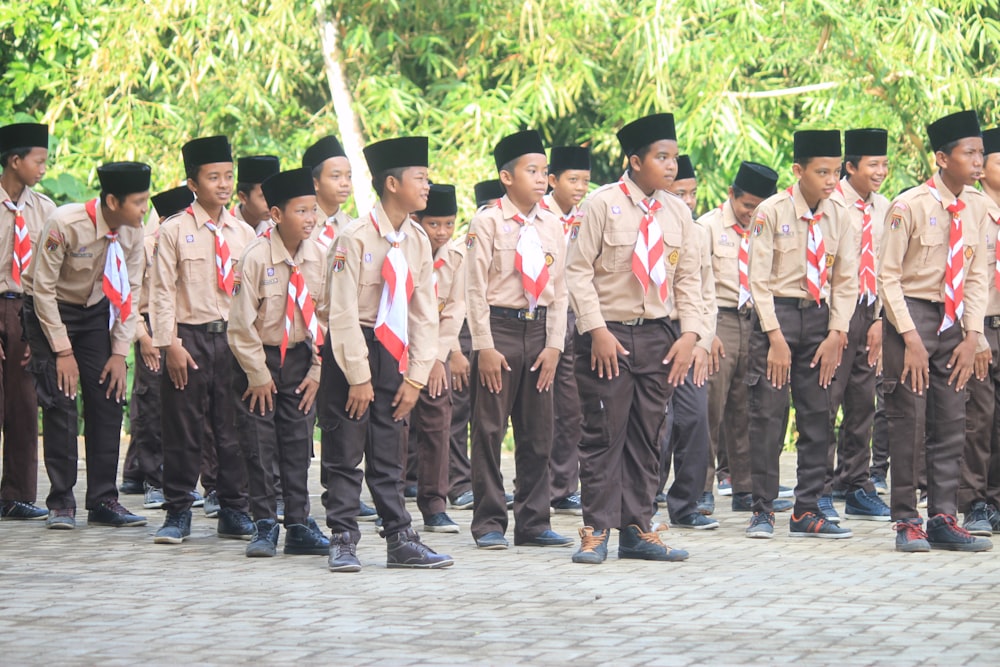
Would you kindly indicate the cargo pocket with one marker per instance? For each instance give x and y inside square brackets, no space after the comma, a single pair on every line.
[46,384]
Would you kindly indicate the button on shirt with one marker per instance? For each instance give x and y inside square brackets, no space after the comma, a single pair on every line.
[36,210]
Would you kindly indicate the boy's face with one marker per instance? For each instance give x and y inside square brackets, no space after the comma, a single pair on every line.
[529,181]
[127,212]
[744,206]
[254,205]
[30,169]
[656,171]
[687,190]
[870,172]
[412,188]
[819,178]
[214,185]
[965,161]
[991,171]
[439,229]
[334,182]
[298,218]
[570,186]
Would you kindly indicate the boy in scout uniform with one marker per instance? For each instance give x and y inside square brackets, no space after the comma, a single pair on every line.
[516,302]
[24,150]
[79,321]
[273,333]
[144,458]
[803,276]
[331,172]
[377,357]
[979,490]
[250,173]
[685,184]
[729,230]
[631,261]
[933,281]
[853,387]
[194,275]
[569,180]
[430,423]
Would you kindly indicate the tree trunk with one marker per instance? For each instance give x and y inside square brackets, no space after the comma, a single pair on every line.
[350,130]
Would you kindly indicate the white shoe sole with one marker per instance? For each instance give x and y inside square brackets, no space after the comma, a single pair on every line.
[867,517]
[825,536]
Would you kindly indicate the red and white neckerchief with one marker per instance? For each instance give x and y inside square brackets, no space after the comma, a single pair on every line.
[743,259]
[996,272]
[325,238]
[866,273]
[298,297]
[223,265]
[954,271]
[648,263]
[392,321]
[570,221]
[816,271]
[529,260]
[115,283]
[22,242]
[438,264]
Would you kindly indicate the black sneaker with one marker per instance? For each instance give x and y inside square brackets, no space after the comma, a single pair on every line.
[977,520]
[943,532]
[343,554]
[761,526]
[880,484]
[366,512]
[706,504]
[404,549]
[265,539]
[61,519]
[111,513]
[440,523]
[509,499]
[492,541]
[811,524]
[695,521]
[17,510]
[410,491]
[211,504]
[593,546]
[547,538]
[131,487]
[634,543]
[568,505]
[464,501]
[743,502]
[661,499]
[910,536]
[867,506]
[306,540]
[827,510]
[176,528]
[279,510]
[994,515]
[235,525]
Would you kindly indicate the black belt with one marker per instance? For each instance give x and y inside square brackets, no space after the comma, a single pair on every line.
[742,312]
[522,314]
[216,327]
[12,295]
[801,304]
[993,321]
[639,321]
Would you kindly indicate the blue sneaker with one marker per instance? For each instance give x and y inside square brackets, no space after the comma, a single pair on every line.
[816,525]
[761,525]
[866,506]
[786,492]
[706,504]
[881,487]
[977,520]
[726,487]
[593,546]
[827,510]
[695,521]
[568,505]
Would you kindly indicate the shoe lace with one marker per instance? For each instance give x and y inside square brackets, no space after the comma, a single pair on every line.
[115,506]
[952,524]
[912,531]
[589,541]
[653,536]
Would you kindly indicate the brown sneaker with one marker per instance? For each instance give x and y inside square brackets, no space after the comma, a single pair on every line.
[593,546]
[343,554]
[404,549]
[634,543]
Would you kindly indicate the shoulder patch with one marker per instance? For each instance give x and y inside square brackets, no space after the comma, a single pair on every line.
[895,221]
[758,227]
[54,240]
[338,260]
[237,282]
[470,240]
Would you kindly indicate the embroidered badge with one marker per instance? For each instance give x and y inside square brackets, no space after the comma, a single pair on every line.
[189,238]
[506,229]
[156,249]
[574,232]
[338,261]
[895,221]
[616,210]
[724,239]
[786,230]
[441,306]
[237,280]
[368,258]
[270,281]
[51,243]
[829,260]
[270,271]
[674,256]
[470,240]
[549,259]
[933,221]
[968,252]
[758,228]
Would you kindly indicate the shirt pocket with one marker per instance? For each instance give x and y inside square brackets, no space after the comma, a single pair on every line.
[786,256]
[196,266]
[672,242]
[933,249]
[618,246]
[504,250]
[370,283]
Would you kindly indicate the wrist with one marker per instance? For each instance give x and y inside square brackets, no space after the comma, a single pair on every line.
[64,354]
[413,383]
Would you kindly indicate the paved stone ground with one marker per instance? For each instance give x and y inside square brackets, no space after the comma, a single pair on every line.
[101,596]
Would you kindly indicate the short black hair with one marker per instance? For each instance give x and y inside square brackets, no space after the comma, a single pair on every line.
[192,172]
[120,196]
[737,191]
[245,188]
[378,181]
[509,166]
[854,161]
[20,152]
[317,171]
[948,147]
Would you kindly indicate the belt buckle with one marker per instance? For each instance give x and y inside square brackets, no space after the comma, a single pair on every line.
[634,322]
[216,327]
[994,321]
[526,315]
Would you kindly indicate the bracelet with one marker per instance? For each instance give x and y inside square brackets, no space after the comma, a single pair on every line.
[413,383]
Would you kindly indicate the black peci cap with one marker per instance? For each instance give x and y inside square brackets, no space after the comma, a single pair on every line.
[959,125]
[991,141]
[256,168]
[645,131]
[441,201]
[24,135]
[515,145]
[757,179]
[172,201]
[869,141]
[562,158]
[124,178]
[488,191]
[286,185]
[395,154]
[206,150]
[817,143]
[321,151]
[685,169]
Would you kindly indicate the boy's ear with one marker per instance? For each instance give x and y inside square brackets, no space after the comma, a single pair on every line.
[941,159]
[506,178]
[275,214]
[242,196]
[634,163]
[798,170]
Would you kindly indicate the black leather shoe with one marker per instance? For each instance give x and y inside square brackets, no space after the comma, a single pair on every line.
[343,554]
[131,487]
[265,540]
[548,538]
[235,525]
[111,513]
[176,528]
[404,549]
[306,540]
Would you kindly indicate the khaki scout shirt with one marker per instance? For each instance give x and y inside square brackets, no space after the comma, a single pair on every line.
[915,253]
[778,257]
[257,317]
[340,220]
[150,236]
[492,280]
[37,209]
[69,268]
[570,221]
[262,226]
[355,289]
[724,248]
[450,296]
[880,206]
[709,304]
[185,286]
[599,276]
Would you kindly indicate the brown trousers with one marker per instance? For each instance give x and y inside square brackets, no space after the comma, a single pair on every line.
[144,458]
[459,466]
[530,413]
[981,463]
[804,326]
[685,443]
[728,426]
[937,415]
[18,410]
[375,437]
[564,463]
[102,416]
[853,388]
[622,417]
[203,410]
[428,443]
